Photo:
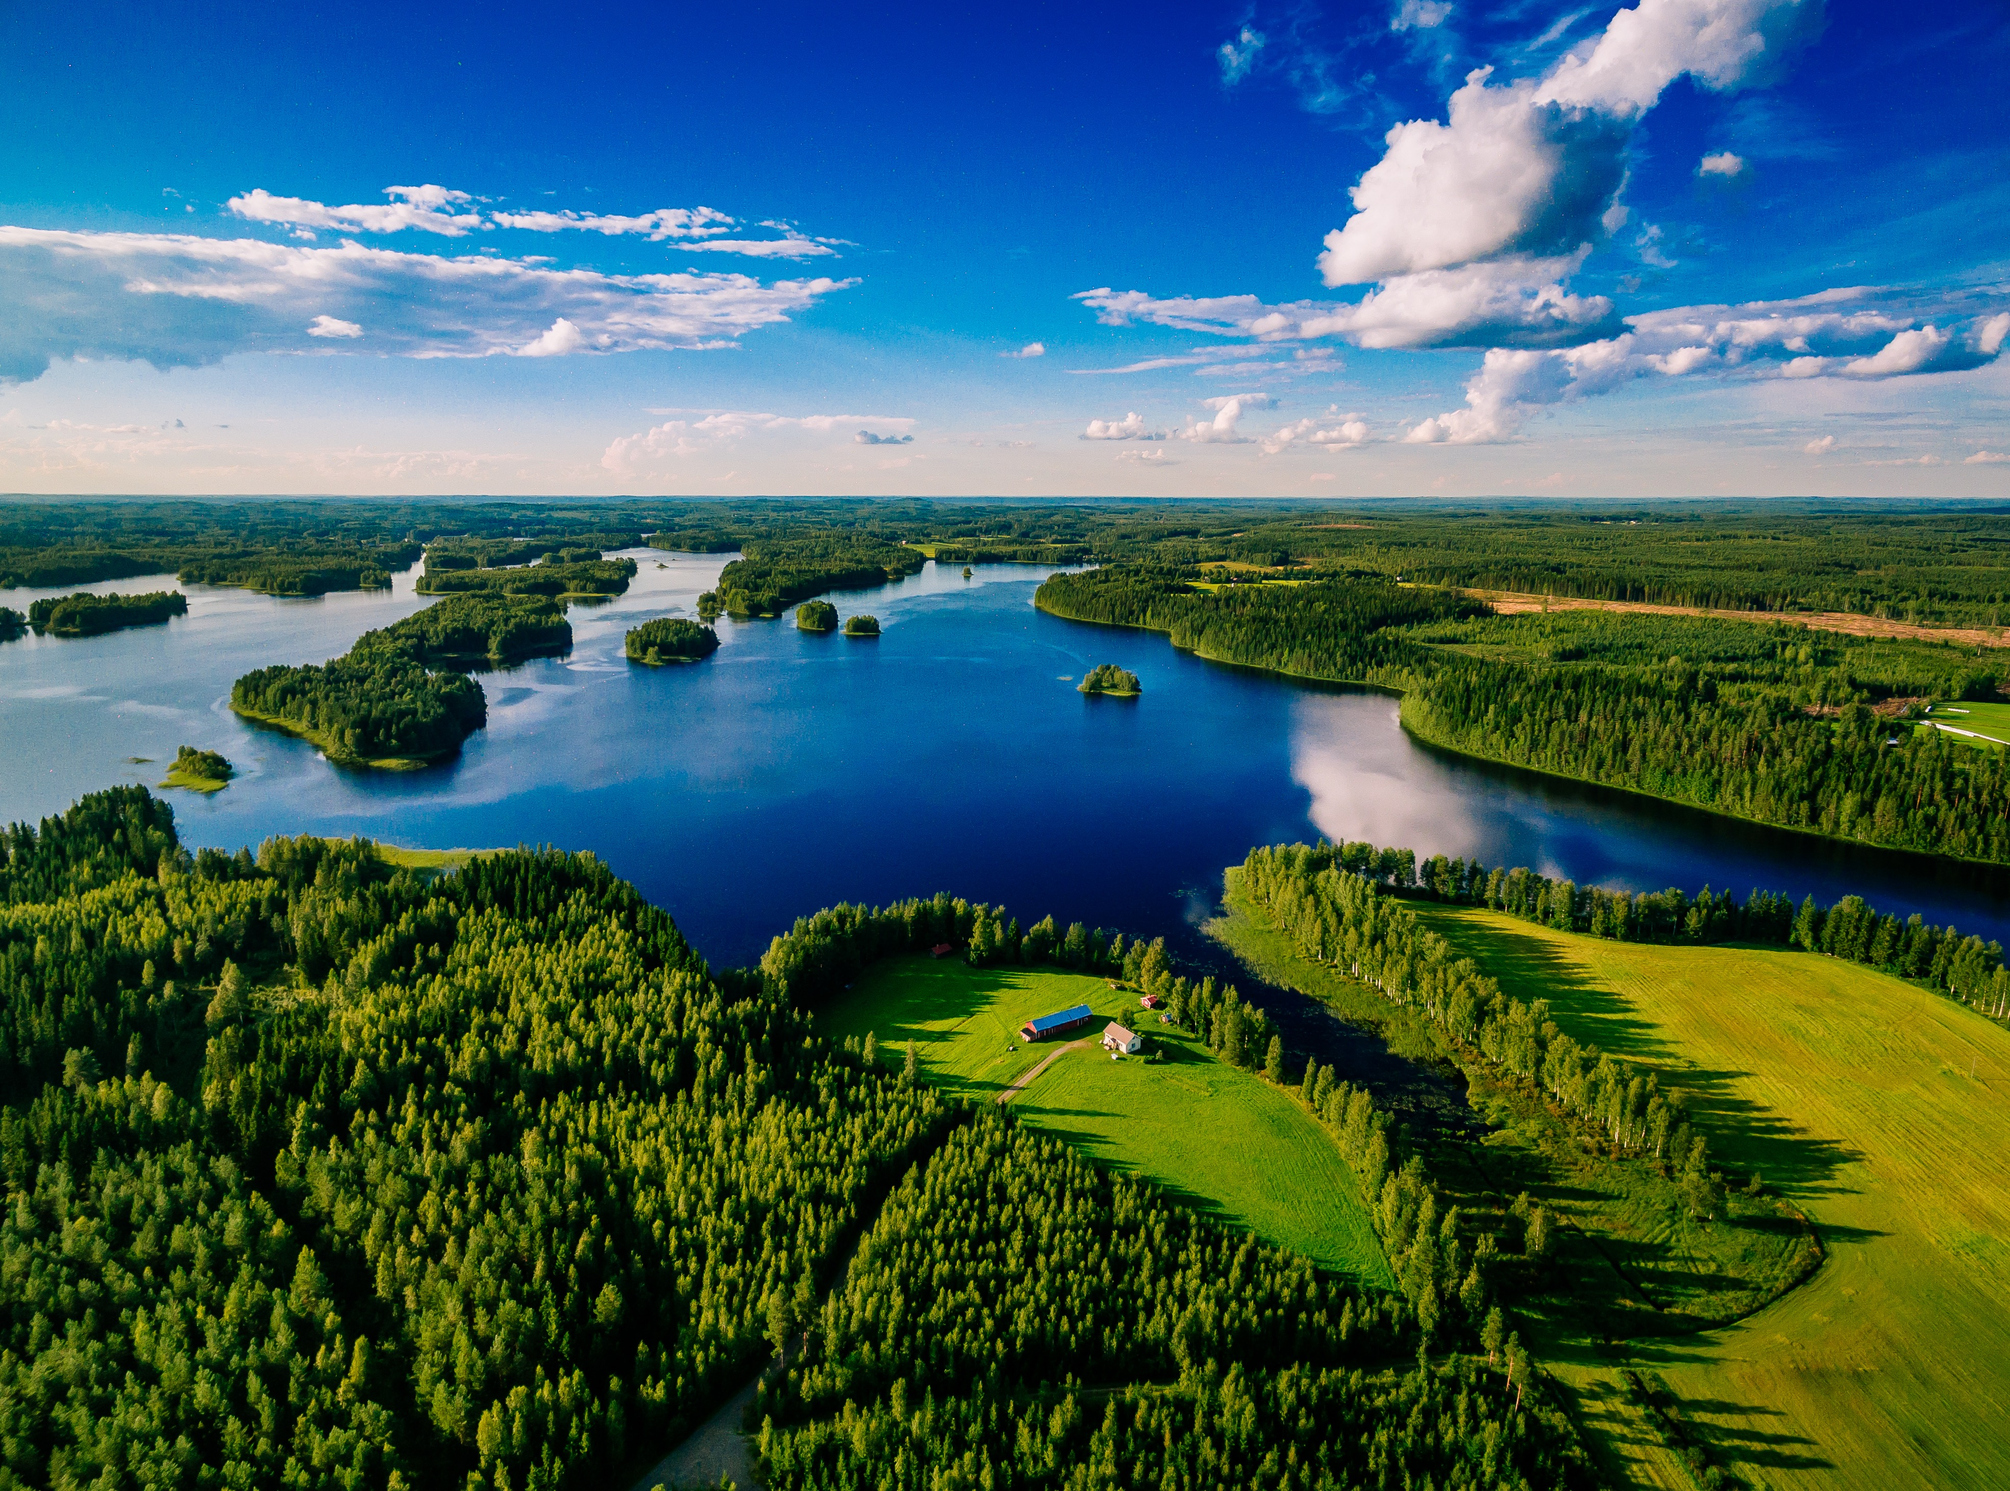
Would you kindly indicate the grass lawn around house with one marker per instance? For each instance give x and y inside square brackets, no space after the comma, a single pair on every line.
[1852,1093]
[1227,1141]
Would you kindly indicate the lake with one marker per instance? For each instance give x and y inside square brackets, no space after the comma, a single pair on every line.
[790,771]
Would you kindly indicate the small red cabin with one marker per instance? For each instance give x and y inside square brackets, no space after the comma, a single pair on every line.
[942,949]
[1149,1001]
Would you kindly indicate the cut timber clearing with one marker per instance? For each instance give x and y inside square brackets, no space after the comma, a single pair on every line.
[1510,603]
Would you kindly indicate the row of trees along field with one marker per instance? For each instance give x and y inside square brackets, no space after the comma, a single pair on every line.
[320,1176]
[1337,907]
[773,572]
[88,615]
[1772,723]
[394,695]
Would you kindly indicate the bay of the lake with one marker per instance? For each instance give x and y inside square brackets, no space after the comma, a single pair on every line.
[790,770]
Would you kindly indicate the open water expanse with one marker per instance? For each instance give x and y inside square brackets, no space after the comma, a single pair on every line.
[790,771]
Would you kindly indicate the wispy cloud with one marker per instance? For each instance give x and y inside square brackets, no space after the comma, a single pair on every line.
[1031,349]
[721,429]
[435,209]
[180,300]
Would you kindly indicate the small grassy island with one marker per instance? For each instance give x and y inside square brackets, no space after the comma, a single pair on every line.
[670,639]
[199,771]
[1112,680]
[12,623]
[87,615]
[817,616]
[861,626]
[394,701]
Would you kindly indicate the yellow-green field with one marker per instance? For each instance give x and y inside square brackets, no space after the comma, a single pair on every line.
[435,861]
[1884,1112]
[1227,1141]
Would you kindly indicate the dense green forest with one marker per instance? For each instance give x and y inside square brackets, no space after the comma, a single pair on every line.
[471,630]
[88,615]
[861,626]
[1772,722]
[321,1175]
[817,616]
[12,623]
[670,639]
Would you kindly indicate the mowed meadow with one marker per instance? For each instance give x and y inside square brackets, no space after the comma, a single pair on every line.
[1880,1109]
[1229,1143]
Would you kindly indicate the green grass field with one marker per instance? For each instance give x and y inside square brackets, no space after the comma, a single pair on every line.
[429,861]
[1990,721]
[1880,1109]
[1229,1142]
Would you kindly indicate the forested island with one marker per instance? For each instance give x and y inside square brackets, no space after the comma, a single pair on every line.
[199,771]
[393,700]
[817,616]
[669,639]
[527,568]
[12,623]
[88,615]
[1108,678]
[772,572]
[861,626]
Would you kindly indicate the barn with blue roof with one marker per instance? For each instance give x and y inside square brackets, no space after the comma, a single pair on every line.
[1058,1023]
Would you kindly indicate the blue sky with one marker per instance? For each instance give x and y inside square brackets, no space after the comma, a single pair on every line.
[1411,247]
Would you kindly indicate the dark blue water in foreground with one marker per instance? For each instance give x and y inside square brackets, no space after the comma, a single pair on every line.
[790,771]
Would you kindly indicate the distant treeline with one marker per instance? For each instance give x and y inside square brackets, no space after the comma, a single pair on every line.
[1905,561]
[523,569]
[88,615]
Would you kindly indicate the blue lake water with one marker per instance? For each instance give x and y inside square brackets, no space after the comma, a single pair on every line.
[790,771]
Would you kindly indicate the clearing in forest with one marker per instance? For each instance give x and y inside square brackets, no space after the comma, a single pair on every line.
[1883,1111]
[1227,1141]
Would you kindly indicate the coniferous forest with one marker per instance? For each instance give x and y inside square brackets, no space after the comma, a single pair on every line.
[320,1174]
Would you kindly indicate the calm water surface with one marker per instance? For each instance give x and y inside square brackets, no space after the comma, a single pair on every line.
[790,771]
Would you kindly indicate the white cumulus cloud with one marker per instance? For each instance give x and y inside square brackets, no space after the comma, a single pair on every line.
[1988,458]
[1337,430]
[560,339]
[328,326]
[1031,349]
[1819,447]
[1228,412]
[1130,427]
[1724,163]
[867,437]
